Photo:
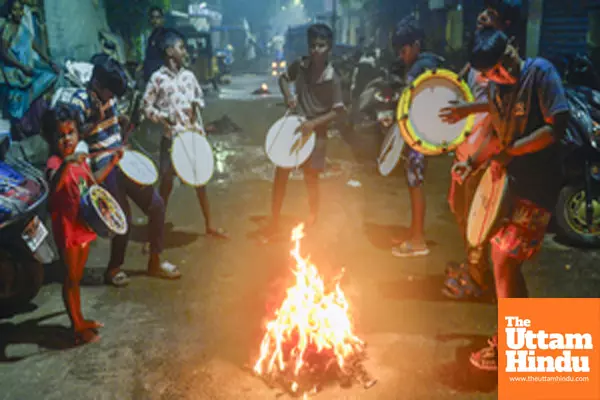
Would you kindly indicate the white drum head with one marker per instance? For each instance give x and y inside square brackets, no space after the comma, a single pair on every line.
[391,151]
[429,97]
[285,147]
[485,207]
[192,158]
[138,167]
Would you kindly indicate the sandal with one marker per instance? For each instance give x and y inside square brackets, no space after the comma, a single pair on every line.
[454,269]
[406,249]
[485,359]
[165,270]
[463,287]
[217,233]
[119,279]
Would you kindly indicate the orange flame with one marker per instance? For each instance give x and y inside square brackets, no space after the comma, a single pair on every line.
[309,319]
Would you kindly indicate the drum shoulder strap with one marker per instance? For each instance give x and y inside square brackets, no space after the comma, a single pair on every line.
[464,71]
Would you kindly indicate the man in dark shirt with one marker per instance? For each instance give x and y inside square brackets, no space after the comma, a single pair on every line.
[153,59]
[407,41]
[319,99]
[529,112]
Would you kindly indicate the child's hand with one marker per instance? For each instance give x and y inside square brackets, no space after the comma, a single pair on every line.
[292,103]
[307,128]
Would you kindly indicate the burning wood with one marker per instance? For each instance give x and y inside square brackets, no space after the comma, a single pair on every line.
[310,342]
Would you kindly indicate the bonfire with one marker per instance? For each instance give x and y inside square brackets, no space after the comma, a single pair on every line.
[310,341]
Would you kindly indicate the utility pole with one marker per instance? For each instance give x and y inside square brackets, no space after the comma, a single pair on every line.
[334,18]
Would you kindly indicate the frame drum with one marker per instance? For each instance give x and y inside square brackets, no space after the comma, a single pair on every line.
[419,106]
[193,158]
[286,147]
[487,206]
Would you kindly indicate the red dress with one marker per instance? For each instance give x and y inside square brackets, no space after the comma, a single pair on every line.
[68,228]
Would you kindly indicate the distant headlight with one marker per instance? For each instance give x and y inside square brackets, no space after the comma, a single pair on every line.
[274,64]
[274,73]
[282,64]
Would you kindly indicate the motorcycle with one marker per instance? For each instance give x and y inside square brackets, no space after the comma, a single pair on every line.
[577,212]
[24,239]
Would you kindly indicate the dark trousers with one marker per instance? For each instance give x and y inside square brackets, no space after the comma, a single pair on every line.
[147,199]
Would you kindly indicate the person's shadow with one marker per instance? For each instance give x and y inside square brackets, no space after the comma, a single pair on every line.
[47,337]
[459,374]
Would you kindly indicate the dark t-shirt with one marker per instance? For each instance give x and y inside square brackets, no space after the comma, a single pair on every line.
[154,57]
[517,111]
[319,96]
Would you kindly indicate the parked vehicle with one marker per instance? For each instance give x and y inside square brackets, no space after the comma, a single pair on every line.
[577,211]
[24,239]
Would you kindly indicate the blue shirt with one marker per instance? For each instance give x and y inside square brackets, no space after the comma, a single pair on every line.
[519,110]
[106,134]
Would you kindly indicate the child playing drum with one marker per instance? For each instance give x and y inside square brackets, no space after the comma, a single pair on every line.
[407,42]
[102,131]
[319,99]
[174,99]
[529,113]
[69,176]
[468,279]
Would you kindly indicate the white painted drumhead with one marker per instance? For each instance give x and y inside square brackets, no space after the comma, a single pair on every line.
[391,151]
[485,207]
[138,167]
[113,217]
[193,158]
[429,97]
[284,146]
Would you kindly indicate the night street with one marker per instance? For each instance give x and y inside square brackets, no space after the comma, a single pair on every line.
[194,338]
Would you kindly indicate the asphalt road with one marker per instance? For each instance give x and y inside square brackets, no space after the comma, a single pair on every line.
[191,339]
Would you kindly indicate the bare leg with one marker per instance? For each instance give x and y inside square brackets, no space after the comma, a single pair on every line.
[417,226]
[205,206]
[71,259]
[279,189]
[83,257]
[510,282]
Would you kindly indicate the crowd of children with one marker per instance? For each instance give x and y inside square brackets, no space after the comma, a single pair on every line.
[522,114]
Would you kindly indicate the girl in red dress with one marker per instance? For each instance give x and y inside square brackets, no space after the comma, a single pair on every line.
[69,175]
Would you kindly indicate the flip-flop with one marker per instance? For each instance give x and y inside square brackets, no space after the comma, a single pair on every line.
[485,359]
[407,250]
[120,279]
[86,336]
[217,233]
[166,270]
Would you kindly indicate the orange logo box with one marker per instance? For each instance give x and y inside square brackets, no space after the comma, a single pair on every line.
[549,349]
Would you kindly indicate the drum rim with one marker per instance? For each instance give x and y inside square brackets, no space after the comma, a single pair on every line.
[503,194]
[212,153]
[149,161]
[381,150]
[115,202]
[312,135]
[406,128]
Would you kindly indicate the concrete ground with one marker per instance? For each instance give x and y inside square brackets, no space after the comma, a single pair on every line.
[191,339]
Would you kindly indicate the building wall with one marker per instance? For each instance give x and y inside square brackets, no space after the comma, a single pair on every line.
[74,37]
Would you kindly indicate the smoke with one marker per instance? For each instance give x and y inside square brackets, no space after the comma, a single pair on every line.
[290,16]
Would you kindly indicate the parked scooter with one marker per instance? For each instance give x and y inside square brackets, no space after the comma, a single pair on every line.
[578,207]
[24,239]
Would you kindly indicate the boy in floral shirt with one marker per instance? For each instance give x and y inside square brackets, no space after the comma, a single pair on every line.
[174,99]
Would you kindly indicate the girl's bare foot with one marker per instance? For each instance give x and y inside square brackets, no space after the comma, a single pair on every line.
[86,336]
[91,324]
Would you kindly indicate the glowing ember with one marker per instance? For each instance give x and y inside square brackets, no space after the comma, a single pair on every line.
[311,335]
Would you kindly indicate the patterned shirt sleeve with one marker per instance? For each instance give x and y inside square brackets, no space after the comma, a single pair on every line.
[198,93]
[150,99]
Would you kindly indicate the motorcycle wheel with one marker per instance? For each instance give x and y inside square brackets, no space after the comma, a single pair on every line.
[29,280]
[571,217]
